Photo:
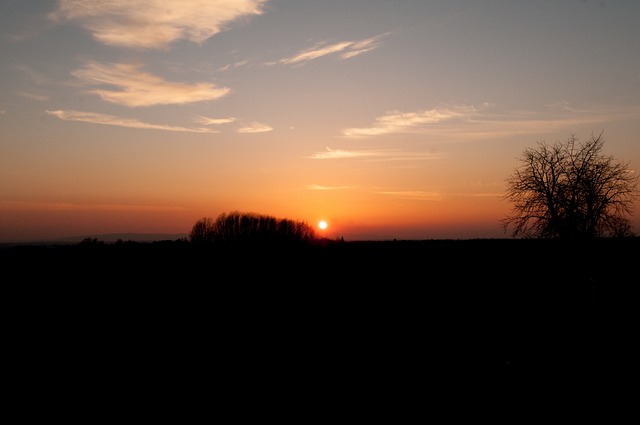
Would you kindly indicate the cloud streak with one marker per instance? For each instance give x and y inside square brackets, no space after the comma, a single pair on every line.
[320,187]
[474,123]
[135,88]
[349,49]
[415,195]
[410,122]
[68,206]
[409,195]
[376,155]
[255,127]
[339,153]
[33,96]
[213,121]
[154,24]
[105,119]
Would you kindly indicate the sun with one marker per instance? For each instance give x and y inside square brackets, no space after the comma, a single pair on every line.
[322,224]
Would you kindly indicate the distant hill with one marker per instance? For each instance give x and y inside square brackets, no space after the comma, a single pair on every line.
[106,237]
[136,237]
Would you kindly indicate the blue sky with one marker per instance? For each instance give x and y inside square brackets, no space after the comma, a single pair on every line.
[388,119]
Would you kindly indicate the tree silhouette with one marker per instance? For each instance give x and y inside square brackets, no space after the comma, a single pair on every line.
[202,231]
[570,190]
[249,228]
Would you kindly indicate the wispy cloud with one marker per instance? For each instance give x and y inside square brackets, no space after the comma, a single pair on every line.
[34,96]
[414,195]
[34,76]
[137,88]
[362,46]
[563,106]
[213,121]
[105,119]
[154,23]
[68,206]
[19,36]
[339,153]
[349,49]
[234,65]
[320,187]
[482,122]
[375,155]
[557,117]
[255,127]
[410,122]
[317,51]
[487,195]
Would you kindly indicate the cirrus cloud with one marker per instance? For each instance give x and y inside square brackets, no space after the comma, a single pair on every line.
[321,187]
[106,119]
[339,153]
[410,122]
[349,49]
[484,122]
[255,127]
[137,88]
[414,195]
[374,155]
[154,23]
[213,121]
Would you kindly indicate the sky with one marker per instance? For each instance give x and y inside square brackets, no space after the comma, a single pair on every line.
[388,119]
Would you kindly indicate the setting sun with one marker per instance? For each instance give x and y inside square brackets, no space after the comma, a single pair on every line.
[322,225]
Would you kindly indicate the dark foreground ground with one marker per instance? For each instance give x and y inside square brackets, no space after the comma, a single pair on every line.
[394,318]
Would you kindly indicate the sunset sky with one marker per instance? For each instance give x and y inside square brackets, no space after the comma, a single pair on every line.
[388,119]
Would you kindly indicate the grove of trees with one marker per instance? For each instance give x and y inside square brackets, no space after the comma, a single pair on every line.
[241,228]
[570,190]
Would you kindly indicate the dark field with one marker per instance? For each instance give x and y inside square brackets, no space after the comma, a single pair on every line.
[369,315]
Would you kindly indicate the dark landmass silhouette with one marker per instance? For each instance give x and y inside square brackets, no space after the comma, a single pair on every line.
[103,237]
[373,313]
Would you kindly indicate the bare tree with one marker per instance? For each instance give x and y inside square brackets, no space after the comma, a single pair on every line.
[569,190]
